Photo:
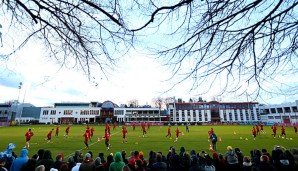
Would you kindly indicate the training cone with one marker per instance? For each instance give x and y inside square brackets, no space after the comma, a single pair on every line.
[234,132]
[219,139]
[137,143]
[210,147]
[246,139]
[240,138]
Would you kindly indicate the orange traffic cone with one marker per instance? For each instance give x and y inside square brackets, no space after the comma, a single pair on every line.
[219,139]
[210,147]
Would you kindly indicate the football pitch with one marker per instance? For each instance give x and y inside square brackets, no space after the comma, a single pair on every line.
[197,139]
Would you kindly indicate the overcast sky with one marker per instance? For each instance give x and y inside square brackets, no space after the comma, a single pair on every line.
[44,82]
[137,76]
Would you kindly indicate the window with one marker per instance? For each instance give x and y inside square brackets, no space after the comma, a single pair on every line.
[67,112]
[45,112]
[273,110]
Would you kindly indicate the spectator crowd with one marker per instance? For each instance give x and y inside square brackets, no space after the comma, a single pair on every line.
[277,159]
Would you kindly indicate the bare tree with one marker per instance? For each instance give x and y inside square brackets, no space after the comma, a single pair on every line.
[168,100]
[86,32]
[242,43]
[133,103]
[158,102]
[245,44]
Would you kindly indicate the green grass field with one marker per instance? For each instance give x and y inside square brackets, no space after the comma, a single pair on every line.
[155,139]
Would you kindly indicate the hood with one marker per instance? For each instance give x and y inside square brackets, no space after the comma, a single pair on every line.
[98,161]
[24,153]
[257,153]
[40,153]
[182,149]
[47,154]
[77,153]
[118,157]
[151,153]
[193,152]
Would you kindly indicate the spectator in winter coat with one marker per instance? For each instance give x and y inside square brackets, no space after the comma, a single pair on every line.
[78,164]
[175,164]
[264,164]
[131,161]
[247,165]
[123,153]
[239,156]
[139,165]
[57,164]
[18,163]
[117,164]
[107,164]
[88,164]
[255,157]
[71,163]
[232,161]
[98,165]
[159,165]
[40,153]
[31,163]
[46,160]
[152,158]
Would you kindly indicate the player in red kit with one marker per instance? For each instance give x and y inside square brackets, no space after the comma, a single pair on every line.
[88,131]
[108,128]
[67,131]
[92,132]
[177,134]
[124,132]
[114,126]
[57,131]
[262,127]
[49,135]
[134,126]
[258,129]
[144,129]
[28,136]
[209,133]
[86,138]
[254,132]
[169,132]
[283,132]
[107,139]
[148,125]
[274,130]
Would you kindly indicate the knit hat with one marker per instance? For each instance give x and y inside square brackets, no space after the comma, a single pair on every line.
[88,155]
[97,161]
[229,148]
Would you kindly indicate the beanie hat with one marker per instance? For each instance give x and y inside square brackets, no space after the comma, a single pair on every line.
[88,155]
